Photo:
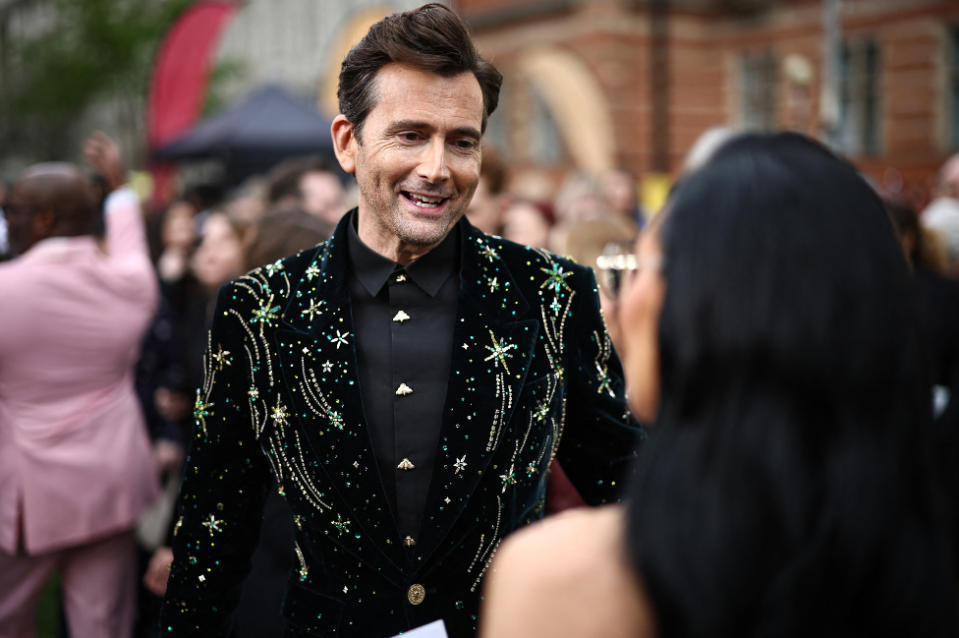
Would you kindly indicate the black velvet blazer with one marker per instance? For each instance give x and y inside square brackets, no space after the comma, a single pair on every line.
[533,377]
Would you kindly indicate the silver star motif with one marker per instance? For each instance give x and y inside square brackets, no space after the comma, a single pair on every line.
[604,380]
[340,339]
[221,357]
[500,351]
[279,413]
[312,272]
[271,269]
[314,309]
[254,393]
[509,478]
[356,464]
[265,314]
[460,464]
[555,307]
[493,285]
[336,419]
[489,252]
[465,346]
[341,524]
[327,366]
[447,500]
[213,524]
[556,278]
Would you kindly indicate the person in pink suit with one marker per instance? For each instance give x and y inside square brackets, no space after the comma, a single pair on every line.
[76,469]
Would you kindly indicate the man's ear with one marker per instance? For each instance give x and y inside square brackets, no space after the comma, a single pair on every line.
[43,224]
[344,142]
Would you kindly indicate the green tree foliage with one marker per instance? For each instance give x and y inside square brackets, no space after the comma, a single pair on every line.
[59,57]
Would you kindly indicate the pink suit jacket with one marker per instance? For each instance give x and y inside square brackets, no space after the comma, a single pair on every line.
[75,458]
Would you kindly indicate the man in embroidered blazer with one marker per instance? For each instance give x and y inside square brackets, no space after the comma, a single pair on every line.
[406,383]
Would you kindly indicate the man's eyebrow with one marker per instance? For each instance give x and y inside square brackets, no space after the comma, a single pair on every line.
[419,125]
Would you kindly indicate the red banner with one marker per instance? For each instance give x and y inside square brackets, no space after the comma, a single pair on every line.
[178,86]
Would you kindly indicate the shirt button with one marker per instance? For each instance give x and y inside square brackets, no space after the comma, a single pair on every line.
[403,390]
[409,541]
[406,465]
[416,594]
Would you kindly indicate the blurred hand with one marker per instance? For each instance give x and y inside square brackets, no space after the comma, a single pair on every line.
[103,155]
[158,571]
[168,456]
[171,404]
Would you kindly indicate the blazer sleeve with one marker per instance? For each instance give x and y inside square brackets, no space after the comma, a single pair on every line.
[601,437]
[224,488]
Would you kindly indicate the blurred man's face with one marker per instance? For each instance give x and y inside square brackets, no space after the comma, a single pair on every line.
[417,160]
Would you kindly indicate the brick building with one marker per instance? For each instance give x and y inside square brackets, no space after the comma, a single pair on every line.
[603,83]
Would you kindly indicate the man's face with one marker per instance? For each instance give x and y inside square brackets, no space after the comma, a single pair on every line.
[416,160]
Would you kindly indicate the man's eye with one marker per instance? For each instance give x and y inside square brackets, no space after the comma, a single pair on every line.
[465,145]
[410,136]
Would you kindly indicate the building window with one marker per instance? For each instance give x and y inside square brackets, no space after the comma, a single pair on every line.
[758,79]
[952,85]
[858,131]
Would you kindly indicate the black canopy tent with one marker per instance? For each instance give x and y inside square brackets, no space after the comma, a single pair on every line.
[268,125]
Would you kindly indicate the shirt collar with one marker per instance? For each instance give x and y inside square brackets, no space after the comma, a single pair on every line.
[429,272]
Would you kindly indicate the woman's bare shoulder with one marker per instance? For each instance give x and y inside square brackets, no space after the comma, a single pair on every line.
[567,575]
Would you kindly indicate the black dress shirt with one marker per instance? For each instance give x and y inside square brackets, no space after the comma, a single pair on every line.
[403,320]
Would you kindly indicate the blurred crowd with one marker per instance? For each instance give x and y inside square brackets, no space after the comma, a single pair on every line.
[206,237]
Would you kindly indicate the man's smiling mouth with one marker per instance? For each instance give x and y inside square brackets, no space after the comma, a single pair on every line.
[424,201]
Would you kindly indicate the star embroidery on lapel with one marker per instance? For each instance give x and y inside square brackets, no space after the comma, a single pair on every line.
[221,357]
[341,524]
[509,478]
[271,269]
[279,413]
[212,524]
[500,351]
[556,278]
[447,500]
[604,381]
[465,346]
[314,309]
[340,339]
[327,366]
[253,393]
[493,285]
[531,469]
[201,410]
[312,271]
[489,252]
[265,314]
[460,464]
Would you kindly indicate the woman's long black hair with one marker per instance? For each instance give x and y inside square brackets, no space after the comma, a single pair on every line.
[786,489]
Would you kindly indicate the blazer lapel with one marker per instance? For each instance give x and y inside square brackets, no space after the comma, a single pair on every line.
[492,352]
[319,364]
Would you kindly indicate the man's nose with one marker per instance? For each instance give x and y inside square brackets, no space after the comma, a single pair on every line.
[433,165]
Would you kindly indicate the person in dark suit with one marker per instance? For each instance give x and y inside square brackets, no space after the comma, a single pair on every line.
[406,383]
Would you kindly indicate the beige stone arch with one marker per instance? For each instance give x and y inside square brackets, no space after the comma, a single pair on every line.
[354,28]
[574,97]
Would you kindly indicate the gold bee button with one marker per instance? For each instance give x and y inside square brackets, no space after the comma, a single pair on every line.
[416,594]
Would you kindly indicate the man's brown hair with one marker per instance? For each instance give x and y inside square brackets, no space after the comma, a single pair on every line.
[431,38]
